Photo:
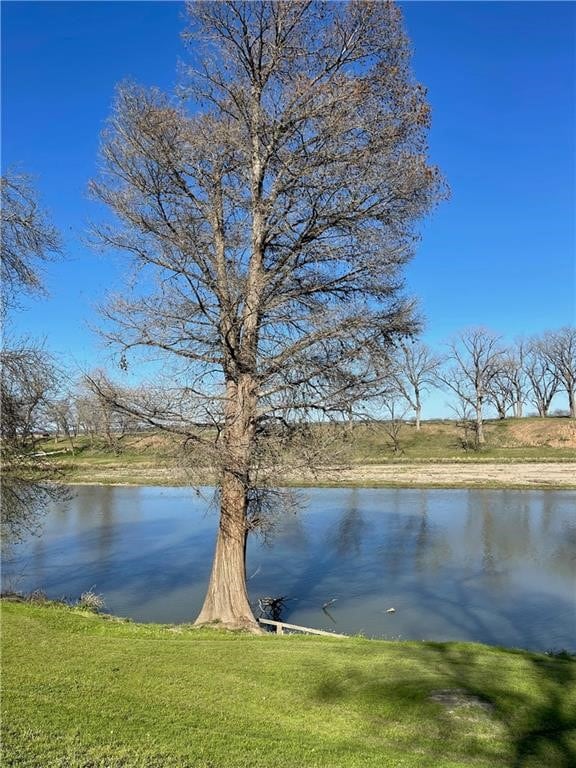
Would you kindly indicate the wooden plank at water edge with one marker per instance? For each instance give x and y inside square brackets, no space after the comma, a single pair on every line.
[281,626]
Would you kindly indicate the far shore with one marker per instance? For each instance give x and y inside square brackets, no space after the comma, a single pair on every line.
[485,474]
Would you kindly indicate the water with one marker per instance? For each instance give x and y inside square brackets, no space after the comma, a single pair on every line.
[492,566]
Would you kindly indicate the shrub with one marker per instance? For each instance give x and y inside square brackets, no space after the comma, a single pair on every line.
[90,601]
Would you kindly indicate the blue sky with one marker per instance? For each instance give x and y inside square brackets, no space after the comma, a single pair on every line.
[501,82]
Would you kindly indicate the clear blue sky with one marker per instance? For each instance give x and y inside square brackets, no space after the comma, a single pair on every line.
[501,80]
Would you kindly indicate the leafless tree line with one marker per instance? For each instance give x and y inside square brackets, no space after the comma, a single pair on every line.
[480,371]
[82,412]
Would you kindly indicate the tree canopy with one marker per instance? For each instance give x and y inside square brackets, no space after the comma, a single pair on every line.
[28,238]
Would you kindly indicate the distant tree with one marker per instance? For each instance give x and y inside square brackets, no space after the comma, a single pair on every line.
[86,413]
[541,374]
[474,358]
[65,418]
[394,420]
[414,370]
[465,421]
[98,415]
[517,376]
[559,348]
[28,238]
[500,392]
[270,227]
[507,390]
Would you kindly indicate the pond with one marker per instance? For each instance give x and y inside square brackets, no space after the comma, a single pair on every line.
[490,566]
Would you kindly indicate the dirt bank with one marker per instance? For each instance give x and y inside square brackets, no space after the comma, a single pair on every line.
[528,475]
[405,475]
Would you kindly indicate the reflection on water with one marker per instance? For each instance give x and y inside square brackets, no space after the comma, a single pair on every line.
[492,566]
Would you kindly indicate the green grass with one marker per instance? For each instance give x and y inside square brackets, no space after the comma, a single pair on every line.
[442,441]
[80,691]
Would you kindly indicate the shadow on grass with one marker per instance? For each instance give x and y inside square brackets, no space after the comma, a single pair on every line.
[539,722]
[507,708]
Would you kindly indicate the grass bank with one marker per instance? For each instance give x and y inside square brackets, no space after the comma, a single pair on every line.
[544,449]
[83,691]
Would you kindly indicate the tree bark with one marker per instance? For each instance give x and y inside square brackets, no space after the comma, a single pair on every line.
[572,404]
[71,441]
[226,602]
[480,439]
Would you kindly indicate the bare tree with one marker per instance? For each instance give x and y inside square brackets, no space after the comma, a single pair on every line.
[517,376]
[500,392]
[97,415]
[542,375]
[28,238]
[507,389]
[65,418]
[85,405]
[465,421]
[559,348]
[414,371]
[474,359]
[269,227]
[29,380]
[29,377]
[394,422]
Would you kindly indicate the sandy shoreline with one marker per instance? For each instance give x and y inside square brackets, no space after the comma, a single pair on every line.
[529,475]
[559,475]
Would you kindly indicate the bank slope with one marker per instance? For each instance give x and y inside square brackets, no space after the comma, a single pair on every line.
[87,692]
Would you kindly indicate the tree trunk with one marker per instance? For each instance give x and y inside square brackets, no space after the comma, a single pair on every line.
[71,441]
[226,602]
[418,411]
[480,439]
[572,403]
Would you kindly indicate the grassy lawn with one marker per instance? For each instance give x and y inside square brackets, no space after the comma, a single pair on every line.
[83,691]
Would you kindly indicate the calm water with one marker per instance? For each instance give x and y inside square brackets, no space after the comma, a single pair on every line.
[493,566]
